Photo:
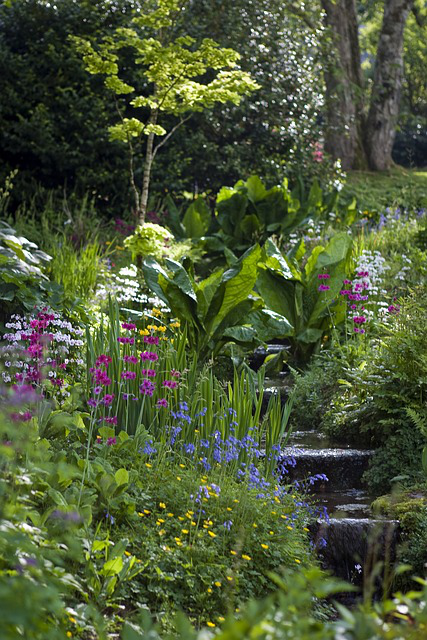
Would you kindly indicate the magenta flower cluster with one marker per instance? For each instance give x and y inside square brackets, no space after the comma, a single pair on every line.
[130,326]
[39,346]
[353,295]
[149,355]
[323,287]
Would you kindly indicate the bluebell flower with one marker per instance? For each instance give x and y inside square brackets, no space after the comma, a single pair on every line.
[205,463]
[148,448]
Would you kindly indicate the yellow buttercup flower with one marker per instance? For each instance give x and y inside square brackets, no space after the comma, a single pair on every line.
[233,553]
[162,505]
[246,557]
[264,546]
[297,561]
[212,534]
[210,624]
[217,583]
[184,530]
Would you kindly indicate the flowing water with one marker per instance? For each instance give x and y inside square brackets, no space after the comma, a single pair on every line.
[351,539]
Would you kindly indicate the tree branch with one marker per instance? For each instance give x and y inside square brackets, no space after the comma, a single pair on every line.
[171,132]
[131,156]
[300,13]
[420,19]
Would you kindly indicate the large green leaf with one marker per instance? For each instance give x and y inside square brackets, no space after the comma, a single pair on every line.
[230,212]
[112,567]
[236,316]
[241,333]
[255,189]
[273,208]
[206,290]
[275,260]
[238,282]
[197,219]
[181,278]
[278,294]
[151,270]
[336,250]
[176,291]
[269,325]
[327,301]
[312,264]
[309,336]
[250,225]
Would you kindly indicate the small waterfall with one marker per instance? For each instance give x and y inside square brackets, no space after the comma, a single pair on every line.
[351,540]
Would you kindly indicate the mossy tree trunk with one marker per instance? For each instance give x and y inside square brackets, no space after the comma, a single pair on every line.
[387,86]
[363,140]
[344,85]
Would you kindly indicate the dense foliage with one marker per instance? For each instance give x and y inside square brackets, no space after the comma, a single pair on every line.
[179,354]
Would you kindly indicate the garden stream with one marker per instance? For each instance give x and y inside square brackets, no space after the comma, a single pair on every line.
[351,539]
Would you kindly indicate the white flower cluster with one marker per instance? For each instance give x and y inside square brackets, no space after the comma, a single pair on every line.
[125,287]
[373,266]
[406,268]
[63,349]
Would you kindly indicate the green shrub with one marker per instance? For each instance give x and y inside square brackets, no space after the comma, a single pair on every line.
[375,396]
[23,282]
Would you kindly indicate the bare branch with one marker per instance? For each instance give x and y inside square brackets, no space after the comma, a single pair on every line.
[171,132]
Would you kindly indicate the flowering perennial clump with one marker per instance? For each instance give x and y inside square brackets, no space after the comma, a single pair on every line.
[42,350]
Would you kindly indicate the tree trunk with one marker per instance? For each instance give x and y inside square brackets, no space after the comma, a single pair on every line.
[147,170]
[344,85]
[387,85]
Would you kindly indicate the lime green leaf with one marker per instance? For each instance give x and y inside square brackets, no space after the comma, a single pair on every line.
[112,567]
[121,477]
